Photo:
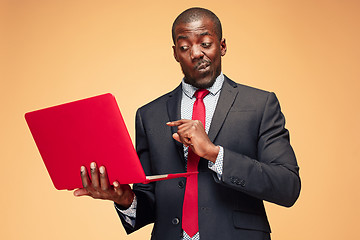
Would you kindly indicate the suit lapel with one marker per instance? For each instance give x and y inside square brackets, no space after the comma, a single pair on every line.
[226,99]
[174,112]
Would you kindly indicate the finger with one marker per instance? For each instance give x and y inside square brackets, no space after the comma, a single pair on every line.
[190,126]
[176,137]
[81,192]
[198,123]
[84,177]
[187,142]
[117,188]
[186,133]
[94,175]
[116,185]
[177,123]
[183,140]
[104,180]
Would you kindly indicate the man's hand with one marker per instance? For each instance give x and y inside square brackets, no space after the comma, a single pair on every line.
[192,134]
[99,187]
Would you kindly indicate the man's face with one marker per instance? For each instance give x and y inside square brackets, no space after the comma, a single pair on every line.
[199,51]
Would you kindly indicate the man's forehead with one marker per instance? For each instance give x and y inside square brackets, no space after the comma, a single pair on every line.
[201,27]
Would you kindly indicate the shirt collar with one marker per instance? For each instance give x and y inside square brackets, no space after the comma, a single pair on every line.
[190,90]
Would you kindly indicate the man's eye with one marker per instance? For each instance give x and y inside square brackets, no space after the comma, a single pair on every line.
[205,44]
[184,48]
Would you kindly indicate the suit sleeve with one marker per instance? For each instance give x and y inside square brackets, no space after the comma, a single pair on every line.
[274,175]
[145,210]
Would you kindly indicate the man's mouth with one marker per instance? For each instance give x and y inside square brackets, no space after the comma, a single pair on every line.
[202,66]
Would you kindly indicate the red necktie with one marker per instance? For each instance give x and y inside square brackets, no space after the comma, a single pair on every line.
[190,222]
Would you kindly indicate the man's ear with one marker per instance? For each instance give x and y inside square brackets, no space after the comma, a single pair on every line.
[223,47]
[174,52]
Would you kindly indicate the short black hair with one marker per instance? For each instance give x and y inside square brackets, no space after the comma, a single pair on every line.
[194,14]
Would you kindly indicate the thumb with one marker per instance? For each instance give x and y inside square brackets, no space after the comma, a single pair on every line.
[81,192]
[176,137]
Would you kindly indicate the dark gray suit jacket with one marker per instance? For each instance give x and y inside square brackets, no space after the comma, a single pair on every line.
[259,164]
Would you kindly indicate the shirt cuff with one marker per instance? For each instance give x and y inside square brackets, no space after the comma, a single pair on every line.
[129,214]
[218,165]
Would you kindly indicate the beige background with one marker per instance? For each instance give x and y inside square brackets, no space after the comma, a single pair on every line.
[57,51]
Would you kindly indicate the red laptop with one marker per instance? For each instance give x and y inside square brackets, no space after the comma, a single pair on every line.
[75,134]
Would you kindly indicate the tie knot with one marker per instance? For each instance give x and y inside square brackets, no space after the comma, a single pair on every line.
[201,93]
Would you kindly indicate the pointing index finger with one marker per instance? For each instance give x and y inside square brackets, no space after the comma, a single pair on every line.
[176,123]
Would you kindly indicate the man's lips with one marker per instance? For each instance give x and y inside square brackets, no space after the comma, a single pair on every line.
[201,66]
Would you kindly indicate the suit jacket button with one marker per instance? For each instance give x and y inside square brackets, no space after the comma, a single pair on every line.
[181,184]
[242,183]
[175,221]
[233,179]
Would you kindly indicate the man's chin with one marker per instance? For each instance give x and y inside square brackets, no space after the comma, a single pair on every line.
[204,82]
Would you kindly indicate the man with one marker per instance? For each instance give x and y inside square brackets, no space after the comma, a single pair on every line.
[237,132]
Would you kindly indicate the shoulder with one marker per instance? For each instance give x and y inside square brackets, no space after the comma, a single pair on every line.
[247,94]
[264,103]
[161,102]
[244,88]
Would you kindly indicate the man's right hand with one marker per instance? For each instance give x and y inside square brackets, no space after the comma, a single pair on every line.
[99,187]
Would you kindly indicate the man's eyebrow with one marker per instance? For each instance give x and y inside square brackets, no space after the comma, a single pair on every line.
[205,34]
[181,37]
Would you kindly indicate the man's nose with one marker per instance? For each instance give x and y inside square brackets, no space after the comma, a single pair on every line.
[196,52]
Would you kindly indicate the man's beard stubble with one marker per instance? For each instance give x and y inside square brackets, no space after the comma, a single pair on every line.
[206,84]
